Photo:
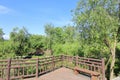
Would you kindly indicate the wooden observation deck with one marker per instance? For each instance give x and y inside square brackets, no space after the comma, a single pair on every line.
[60,67]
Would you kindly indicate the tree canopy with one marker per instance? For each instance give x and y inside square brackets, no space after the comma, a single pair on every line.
[97,23]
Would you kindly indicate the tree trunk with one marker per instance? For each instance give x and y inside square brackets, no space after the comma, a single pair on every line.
[113,50]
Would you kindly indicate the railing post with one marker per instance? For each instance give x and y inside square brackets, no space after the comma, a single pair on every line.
[76,61]
[53,62]
[8,69]
[37,68]
[62,60]
[103,69]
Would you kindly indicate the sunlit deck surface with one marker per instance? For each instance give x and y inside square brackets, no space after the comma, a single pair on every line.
[61,74]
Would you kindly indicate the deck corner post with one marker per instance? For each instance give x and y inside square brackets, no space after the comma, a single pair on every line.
[37,67]
[76,62]
[8,69]
[103,69]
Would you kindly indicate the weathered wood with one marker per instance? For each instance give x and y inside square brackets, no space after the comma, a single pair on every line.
[8,69]
[53,62]
[94,75]
[76,61]
[47,64]
[37,67]
[103,69]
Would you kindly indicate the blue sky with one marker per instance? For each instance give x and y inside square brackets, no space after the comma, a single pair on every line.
[34,14]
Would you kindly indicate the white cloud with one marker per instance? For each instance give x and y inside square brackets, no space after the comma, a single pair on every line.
[6,37]
[4,10]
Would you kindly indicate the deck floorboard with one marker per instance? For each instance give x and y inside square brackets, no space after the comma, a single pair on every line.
[61,74]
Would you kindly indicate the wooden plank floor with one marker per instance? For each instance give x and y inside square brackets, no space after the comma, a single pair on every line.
[61,74]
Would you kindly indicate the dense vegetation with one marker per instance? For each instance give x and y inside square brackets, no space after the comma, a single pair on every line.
[96,34]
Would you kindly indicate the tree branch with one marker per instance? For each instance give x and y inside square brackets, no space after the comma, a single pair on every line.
[107,63]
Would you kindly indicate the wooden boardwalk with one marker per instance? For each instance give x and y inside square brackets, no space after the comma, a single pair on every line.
[61,74]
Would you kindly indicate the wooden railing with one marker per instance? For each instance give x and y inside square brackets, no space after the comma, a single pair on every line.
[96,65]
[12,69]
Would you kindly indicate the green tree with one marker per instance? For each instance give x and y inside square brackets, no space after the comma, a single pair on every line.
[69,34]
[58,35]
[1,42]
[5,48]
[20,41]
[62,39]
[37,41]
[49,30]
[97,23]
[1,34]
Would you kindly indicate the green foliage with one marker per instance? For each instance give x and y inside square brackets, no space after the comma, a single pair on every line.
[94,21]
[62,40]
[67,49]
[1,34]
[20,41]
[117,64]
[97,24]
[49,31]
[37,41]
[6,50]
